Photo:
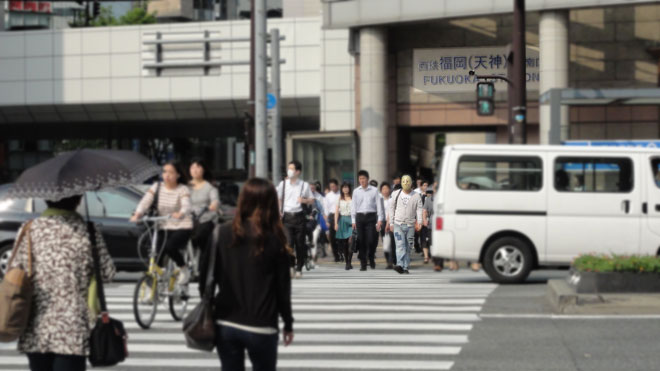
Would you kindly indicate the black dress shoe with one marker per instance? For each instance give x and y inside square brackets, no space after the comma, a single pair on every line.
[362,269]
[389,266]
[373,265]
[398,269]
[348,268]
[406,272]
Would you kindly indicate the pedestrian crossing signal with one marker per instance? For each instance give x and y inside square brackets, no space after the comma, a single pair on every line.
[485,98]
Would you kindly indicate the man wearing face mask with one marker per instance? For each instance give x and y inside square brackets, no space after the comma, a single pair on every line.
[367,215]
[405,219]
[293,193]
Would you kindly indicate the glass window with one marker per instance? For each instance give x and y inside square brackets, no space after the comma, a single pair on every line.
[500,173]
[655,170]
[39,206]
[115,203]
[13,205]
[593,174]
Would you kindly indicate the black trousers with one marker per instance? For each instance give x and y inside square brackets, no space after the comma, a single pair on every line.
[201,235]
[333,241]
[56,362]
[177,240]
[367,237]
[294,226]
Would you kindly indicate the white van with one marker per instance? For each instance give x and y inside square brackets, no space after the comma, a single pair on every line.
[516,208]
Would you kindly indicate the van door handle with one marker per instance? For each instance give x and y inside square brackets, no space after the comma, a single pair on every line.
[657,207]
[625,205]
[645,208]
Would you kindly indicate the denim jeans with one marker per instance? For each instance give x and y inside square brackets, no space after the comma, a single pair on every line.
[232,343]
[404,237]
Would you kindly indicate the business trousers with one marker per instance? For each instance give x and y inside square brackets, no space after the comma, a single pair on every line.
[367,237]
[294,226]
[336,253]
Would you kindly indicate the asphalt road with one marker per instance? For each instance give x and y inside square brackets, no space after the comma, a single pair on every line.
[517,331]
[378,320]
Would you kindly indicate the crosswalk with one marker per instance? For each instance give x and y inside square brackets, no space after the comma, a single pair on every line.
[344,320]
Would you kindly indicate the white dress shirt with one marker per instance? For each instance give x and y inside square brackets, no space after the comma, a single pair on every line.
[292,192]
[331,200]
[366,201]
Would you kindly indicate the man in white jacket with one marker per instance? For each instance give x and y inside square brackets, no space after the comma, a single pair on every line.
[405,219]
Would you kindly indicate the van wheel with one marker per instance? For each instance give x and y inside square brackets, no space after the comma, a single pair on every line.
[508,260]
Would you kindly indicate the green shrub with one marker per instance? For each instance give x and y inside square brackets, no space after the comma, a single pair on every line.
[617,263]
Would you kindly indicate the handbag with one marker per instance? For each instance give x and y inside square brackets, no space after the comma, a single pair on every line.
[16,294]
[153,209]
[199,324]
[354,244]
[107,342]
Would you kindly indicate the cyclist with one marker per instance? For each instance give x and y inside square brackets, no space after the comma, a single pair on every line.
[205,204]
[173,200]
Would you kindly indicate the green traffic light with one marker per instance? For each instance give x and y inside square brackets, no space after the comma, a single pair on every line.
[485,107]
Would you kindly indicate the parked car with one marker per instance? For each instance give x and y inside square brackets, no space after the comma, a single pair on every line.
[519,208]
[109,208]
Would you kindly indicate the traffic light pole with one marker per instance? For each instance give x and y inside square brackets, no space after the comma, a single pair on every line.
[261,87]
[516,78]
[518,103]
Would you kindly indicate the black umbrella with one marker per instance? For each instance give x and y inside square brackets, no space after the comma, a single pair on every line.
[74,173]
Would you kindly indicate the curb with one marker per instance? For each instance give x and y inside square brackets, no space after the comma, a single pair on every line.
[563,299]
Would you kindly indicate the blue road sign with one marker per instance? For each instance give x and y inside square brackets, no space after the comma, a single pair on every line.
[271,101]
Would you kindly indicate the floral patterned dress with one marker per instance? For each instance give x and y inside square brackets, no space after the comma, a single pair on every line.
[62,266]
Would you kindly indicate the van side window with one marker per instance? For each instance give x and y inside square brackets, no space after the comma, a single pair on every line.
[499,173]
[593,174]
[655,170]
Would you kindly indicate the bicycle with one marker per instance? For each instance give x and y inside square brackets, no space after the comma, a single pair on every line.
[158,283]
[191,254]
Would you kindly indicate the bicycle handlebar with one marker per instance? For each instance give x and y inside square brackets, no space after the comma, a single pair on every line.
[145,219]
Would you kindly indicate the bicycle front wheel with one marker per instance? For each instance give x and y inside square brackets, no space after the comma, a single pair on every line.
[145,301]
[179,302]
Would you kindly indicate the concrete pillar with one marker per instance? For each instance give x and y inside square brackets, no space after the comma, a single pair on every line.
[373,101]
[554,59]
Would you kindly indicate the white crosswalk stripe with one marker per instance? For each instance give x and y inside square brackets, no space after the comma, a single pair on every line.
[375,320]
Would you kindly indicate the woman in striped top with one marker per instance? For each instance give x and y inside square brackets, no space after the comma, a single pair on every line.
[173,200]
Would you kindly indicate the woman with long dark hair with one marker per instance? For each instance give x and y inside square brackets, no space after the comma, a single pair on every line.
[173,200]
[343,223]
[252,272]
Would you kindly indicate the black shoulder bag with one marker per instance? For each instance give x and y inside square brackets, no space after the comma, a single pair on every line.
[153,209]
[199,325]
[308,212]
[107,343]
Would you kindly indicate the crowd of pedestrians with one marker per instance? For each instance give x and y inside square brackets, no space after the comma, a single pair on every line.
[354,220]
[276,231]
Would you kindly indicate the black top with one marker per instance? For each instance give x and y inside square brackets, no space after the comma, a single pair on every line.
[254,289]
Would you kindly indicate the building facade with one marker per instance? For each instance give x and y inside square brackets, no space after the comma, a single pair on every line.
[375,84]
[414,93]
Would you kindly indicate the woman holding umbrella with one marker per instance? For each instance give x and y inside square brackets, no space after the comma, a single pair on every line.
[172,198]
[58,330]
[58,250]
